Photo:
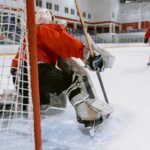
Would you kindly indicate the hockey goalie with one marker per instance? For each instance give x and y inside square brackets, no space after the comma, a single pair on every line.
[62,74]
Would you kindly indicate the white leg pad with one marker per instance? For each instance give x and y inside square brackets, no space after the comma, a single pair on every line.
[86,113]
[100,106]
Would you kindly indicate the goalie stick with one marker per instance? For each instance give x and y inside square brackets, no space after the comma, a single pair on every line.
[91,129]
[90,47]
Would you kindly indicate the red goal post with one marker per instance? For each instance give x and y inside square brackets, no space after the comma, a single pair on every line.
[19,129]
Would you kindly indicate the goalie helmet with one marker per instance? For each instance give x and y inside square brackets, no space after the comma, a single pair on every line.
[43,16]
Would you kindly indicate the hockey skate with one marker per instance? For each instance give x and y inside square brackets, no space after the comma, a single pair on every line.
[45,108]
[92,117]
[90,125]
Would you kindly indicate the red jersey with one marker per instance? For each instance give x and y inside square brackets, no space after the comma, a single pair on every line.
[147,34]
[53,41]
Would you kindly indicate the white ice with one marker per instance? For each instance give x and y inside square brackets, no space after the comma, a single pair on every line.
[127,85]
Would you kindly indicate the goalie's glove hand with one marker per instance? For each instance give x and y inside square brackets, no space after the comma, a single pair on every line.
[96,62]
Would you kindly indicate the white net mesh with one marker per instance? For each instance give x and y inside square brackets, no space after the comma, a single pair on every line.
[16,115]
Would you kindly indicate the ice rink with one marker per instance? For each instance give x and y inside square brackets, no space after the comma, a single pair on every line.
[127,85]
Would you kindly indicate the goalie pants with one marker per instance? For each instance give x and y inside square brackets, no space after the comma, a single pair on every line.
[51,80]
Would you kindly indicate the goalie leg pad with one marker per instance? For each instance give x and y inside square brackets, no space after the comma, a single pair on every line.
[85,113]
[99,106]
[88,107]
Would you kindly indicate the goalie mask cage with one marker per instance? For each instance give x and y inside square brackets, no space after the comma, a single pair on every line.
[19,98]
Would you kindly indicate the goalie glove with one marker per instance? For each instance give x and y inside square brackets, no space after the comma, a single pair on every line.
[107,58]
[95,62]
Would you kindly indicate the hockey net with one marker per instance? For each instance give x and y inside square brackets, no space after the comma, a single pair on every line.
[17,125]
